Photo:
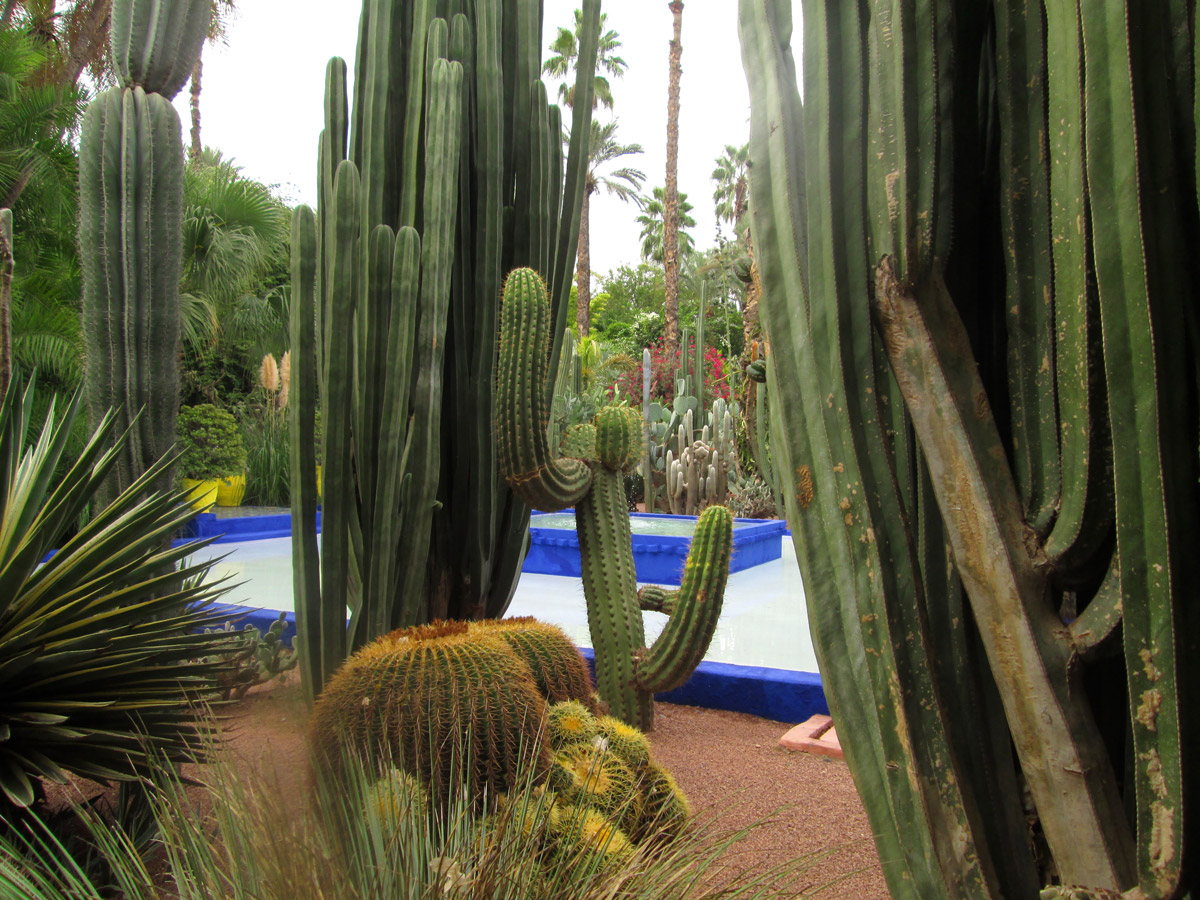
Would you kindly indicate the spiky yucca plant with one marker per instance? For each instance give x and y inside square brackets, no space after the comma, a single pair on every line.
[98,652]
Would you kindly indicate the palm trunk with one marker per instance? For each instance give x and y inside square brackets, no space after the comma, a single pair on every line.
[583,268]
[671,195]
[6,273]
[194,102]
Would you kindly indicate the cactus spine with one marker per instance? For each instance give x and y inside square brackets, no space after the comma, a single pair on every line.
[941,420]
[627,674]
[130,229]
[443,172]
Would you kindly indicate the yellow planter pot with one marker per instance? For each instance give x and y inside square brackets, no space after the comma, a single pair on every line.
[203,493]
[230,491]
[319,492]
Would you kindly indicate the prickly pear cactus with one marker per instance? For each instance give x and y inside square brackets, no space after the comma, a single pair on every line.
[627,673]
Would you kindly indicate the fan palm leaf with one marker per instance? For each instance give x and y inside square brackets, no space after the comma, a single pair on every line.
[651,220]
[47,339]
[101,656]
[565,52]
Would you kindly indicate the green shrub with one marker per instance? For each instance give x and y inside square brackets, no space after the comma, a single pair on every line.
[210,443]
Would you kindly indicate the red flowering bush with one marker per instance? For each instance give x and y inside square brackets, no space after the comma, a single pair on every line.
[664,372]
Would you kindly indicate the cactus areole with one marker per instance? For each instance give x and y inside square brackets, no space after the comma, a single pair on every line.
[628,674]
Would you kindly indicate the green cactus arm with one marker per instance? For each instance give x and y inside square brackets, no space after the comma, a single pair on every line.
[540,481]
[610,590]
[372,369]
[443,137]
[1085,517]
[1024,171]
[393,424]
[828,443]
[131,197]
[306,573]
[576,172]
[1083,819]
[653,598]
[1142,278]
[685,639]
[422,13]
[338,501]
[155,43]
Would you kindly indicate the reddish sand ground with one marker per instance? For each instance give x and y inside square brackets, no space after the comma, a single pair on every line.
[724,761]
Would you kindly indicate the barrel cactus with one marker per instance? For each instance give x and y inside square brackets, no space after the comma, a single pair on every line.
[130,229]
[627,672]
[435,700]
[558,670]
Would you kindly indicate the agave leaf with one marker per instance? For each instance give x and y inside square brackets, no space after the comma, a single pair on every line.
[15,784]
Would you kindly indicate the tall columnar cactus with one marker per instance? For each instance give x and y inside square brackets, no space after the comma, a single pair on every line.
[444,171]
[989,446]
[130,228]
[627,673]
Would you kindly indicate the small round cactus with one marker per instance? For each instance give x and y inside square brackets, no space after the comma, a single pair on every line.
[666,811]
[626,742]
[588,775]
[570,723]
[396,796]
[586,837]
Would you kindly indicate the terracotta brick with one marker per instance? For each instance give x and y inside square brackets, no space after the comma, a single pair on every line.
[817,735]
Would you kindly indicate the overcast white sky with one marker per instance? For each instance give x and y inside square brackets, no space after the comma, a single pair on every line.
[263,99]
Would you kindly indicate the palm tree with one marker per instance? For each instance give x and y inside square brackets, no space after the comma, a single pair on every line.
[234,233]
[653,222]
[36,115]
[218,30]
[731,190]
[731,175]
[623,183]
[673,199]
[75,36]
[566,52]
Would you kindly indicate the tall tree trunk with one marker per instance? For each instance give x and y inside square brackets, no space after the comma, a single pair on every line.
[6,274]
[671,196]
[583,267]
[194,103]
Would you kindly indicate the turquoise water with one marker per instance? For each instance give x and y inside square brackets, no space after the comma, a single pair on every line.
[637,524]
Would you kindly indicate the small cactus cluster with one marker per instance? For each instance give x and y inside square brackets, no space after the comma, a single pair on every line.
[698,467]
[260,657]
[605,767]
[435,700]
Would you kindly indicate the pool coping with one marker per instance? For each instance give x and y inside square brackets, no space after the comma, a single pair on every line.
[657,558]
[783,695]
